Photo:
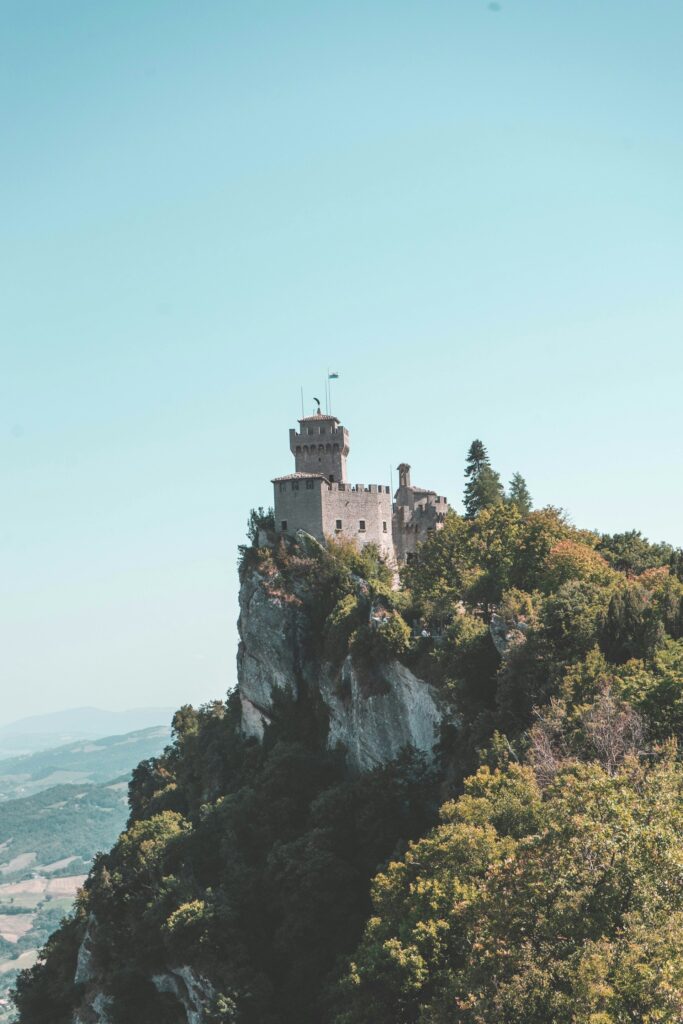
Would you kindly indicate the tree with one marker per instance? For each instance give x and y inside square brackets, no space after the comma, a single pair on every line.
[528,910]
[518,494]
[632,553]
[630,628]
[569,560]
[483,487]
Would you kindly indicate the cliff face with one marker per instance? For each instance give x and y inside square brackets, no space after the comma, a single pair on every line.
[278,651]
[315,629]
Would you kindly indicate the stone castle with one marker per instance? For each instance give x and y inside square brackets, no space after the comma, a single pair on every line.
[317,497]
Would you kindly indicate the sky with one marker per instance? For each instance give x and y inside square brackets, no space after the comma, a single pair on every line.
[472,211]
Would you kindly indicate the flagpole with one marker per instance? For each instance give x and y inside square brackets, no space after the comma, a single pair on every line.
[302,402]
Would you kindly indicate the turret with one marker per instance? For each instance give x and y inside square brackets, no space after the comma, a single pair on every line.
[321,445]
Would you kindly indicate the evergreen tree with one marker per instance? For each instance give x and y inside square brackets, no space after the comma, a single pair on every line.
[519,494]
[483,487]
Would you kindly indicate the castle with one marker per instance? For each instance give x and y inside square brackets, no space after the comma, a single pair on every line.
[317,497]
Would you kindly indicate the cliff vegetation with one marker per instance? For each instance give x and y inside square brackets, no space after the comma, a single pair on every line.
[450,798]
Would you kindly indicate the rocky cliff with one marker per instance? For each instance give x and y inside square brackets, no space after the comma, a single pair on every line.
[279,651]
[316,632]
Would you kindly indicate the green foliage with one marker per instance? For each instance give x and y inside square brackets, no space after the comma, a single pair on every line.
[570,619]
[570,560]
[656,689]
[341,623]
[389,639]
[45,994]
[483,487]
[441,573]
[528,910]
[632,553]
[631,628]
[260,880]
[518,494]
[259,520]
[552,889]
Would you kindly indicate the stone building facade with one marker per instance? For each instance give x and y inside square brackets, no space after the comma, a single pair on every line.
[417,513]
[318,498]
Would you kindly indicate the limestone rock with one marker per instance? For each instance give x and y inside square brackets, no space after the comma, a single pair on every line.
[375,728]
[193,992]
[275,652]
[507,635]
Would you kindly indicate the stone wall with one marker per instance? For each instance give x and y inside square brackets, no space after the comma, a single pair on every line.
[320,507]
[413,522]
[352,506]
[320,446]
[299,506]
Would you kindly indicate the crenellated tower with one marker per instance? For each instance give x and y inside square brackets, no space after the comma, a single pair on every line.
[318,499]
[320,445]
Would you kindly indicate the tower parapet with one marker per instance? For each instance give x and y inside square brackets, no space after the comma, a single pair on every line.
[321,445]
[318,498]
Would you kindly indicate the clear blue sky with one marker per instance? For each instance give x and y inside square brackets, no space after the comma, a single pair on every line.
[472,211]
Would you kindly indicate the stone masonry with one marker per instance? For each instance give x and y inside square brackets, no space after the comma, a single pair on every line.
[317,497]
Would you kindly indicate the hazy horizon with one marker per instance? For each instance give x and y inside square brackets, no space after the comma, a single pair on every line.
[472,212]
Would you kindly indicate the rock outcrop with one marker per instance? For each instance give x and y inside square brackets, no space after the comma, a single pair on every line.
[373,710]
[374,728]
[194,993]
[276,653]
[507,636]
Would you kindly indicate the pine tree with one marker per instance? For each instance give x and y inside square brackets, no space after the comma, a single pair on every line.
[519,494]
[483,487]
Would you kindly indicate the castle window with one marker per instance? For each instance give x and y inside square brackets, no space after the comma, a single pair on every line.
[361,526]
[283,487]
[310,430]
[309,485]
[295,485]
[283,524]
[338,524]
[298,449]
[384,527]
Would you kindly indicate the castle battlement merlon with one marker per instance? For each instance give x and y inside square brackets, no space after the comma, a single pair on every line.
[318,499]
[321,444]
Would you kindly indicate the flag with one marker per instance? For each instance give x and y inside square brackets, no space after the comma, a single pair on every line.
[333,376]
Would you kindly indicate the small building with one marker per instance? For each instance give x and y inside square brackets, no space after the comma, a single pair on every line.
[417,513]
[318,498]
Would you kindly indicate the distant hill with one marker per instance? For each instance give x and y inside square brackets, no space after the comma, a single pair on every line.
[84,762]
[57,809]
[38,732]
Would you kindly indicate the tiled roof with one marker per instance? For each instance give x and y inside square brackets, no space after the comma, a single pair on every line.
[299,476]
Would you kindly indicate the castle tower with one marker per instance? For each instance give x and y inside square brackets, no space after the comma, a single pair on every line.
[320,445]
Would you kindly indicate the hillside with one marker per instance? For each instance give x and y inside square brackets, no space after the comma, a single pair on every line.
[48,839]
[85,761]
[458,800]
[42,732]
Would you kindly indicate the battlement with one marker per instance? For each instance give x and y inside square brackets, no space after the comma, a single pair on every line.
[317,497]
[321,445]
[360,488]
